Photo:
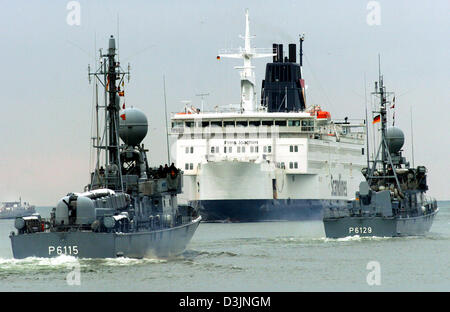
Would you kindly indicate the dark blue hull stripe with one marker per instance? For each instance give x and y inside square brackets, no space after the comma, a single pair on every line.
[247,210]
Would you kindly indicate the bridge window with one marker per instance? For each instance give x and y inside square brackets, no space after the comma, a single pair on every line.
[281,123]
[242,123]
[294,123]
[267,122]
[216,123]
[189,124]
[228,123]
[205,124]
[255,123]
[177,124]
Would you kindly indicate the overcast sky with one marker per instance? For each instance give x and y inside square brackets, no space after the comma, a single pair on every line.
[45,127]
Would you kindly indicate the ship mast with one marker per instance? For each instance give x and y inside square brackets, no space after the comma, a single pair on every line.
[248,94]
[113,77]
[380,91]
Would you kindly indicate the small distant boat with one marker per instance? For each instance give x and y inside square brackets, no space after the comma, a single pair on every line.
[14,209]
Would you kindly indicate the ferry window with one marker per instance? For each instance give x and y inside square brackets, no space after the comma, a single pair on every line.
[293,123]
[295,148]
[212,149]
[255,123]
[189,124]
[186,166]
[281,123]
[265,149]
[217,149]
[205,124]
[238,149]
[269,149]
[177,124]
[243,149]
[256,149]
[216,123]
[243,123]
[291,165]
[191,166]
[291,148]
[304,123]
[230,149]
[187,149]
[296,165]
[225,149]
[252,149]
[192,150]
[228,123]
[283,165]
[267,122]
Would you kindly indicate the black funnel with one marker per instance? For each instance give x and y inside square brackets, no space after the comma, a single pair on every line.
[280,53]
[292,54]
[275,50]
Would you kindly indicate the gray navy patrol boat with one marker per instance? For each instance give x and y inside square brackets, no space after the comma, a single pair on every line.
[11,210]
[392,201]
[128,209]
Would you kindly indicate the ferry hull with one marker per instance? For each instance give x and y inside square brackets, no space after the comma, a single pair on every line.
[84,244]
[252,210]
[377,226]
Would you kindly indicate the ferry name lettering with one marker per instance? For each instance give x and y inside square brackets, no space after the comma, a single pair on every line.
[240,142]
[338,187]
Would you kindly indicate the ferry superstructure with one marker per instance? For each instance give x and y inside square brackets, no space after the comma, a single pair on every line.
[278,160]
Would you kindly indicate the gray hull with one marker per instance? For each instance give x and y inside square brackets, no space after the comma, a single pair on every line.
[378,226]
[85,244]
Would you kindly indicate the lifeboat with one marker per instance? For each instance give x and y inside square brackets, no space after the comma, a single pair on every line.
[323,115]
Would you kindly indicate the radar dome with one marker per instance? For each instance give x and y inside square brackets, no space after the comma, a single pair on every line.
[133,126]
[394,139]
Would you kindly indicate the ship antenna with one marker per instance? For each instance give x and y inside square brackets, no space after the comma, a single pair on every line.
[165,111]
[367,121]
[202,96]
[302,81]
[412,138]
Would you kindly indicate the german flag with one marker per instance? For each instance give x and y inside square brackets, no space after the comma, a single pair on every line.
[376,119]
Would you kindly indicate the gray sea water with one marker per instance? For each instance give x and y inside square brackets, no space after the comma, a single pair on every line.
[268,256]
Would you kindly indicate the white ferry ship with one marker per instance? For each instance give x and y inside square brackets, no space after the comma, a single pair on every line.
[275,160]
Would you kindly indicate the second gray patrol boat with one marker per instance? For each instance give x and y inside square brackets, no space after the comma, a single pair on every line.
[391,202]
[128,209]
